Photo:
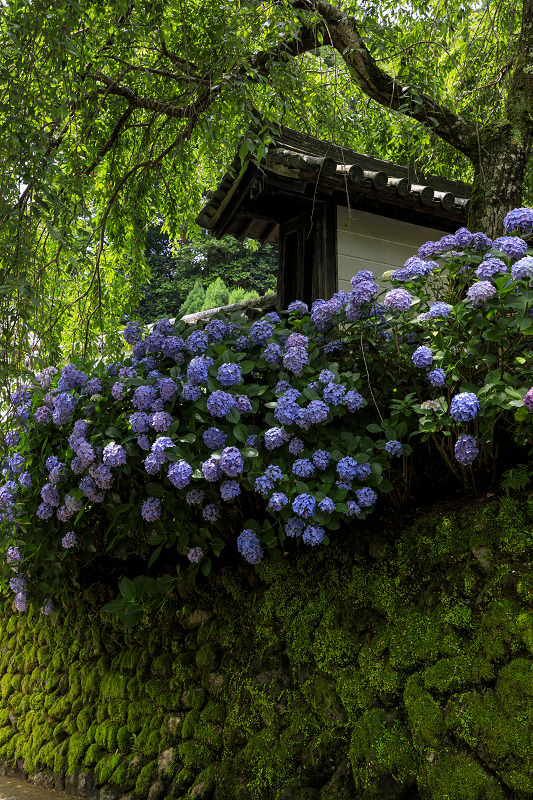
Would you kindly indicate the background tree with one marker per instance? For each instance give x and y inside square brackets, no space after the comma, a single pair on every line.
[115,114]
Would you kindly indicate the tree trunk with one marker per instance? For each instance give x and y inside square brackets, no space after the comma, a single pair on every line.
[500,169]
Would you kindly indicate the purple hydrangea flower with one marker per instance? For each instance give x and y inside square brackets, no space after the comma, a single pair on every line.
[353,401]
[466,450]
[294,526]
[519,218]
[57,475]
[261,331]
[216,330]
[334,394]
[64,404]
[164,326]
[172,348]
[528,400]
[394,447]
[480,292]
[326,376]
[275,437]
[366,497]
[77,466]
[523,269]
[42,415]
[72,503]
[133,332]
[295,359]
[50,494]
[272,353]
[153,463]
[398,300]
[211,470]
[71,378]
[439,310]
[195,555]
[179,474]
[154,342]
[327,505]
[117,390]
[191,392]
[143,397]
[249,547]
[278,501]
[297,340]
[114,455]
[229,490]
[144,442]
[168,389]
[463,237]
[321,459]
[481,242]
[313,535]
[17,583]
[242,404]
[69,540]
[437,377]
[140,422]
[464,407]
[13,555]
[229,374]
[102,475]
[296,446]
[512,246]
[151,509]
[12,438]
[21,601]
[353,509]
[210,512]
[422,357]
[45,511]
[231,462]
[219,403]
[197,371]
[316,412]
[214,438]
[304,505]
[263,485]
[25,480]
[490,267]
[90,490]
[303,468]
[161,421]
[195,497]
[298,308]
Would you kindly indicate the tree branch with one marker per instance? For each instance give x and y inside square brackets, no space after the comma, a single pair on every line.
[340,31]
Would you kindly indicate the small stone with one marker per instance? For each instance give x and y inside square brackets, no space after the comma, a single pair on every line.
[164,760]
[107,794]
[197,790]
[481,554]
[157,791]
[215,683]
[85,784]
[173,723]
[196,618]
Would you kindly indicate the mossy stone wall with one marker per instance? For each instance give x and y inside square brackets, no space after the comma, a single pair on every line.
[386,667]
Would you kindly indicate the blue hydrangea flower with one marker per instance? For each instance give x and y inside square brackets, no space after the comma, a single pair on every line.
[326,376]
[316,412]
[195,497]
[69,540]
[45,511]
[523,268]
[242,344]
[179,474]
[196,343]
[303,468]
[219,403]
[273,316]
[231,462]
[313,535]
[229,490]
[12,438]
[353,509]
[394,447]
[139,422]
[519,219]
[25,480]
[512,246]
[272,353]
[353,401]
[439,310]
[398,300]
[144,442]
[347,468]
[197,371]
[261,331]
[297,340]
[287,410]
[437,377]
[249,547]
[278,501]
[13,555]
[42,415]
[114,455]
[211,469]
[298,308]
[334,394]
[71,378]
[172,348]
[21,601]
[422,357]
[143,397]
[195,555]
[229,374]
[464,407]
[64,405]
[295,359]
[133,332]
[151,509]
[210,512]
[154,342]
[366,497]
[273,473]
[481,242]
[168,389]
[216,330]
[466,450]
[327,505]
[50,494]
[304,505]
[252,440]
[153,463]
[161,421]
[481,291]
[242,404]
[296,446]
[47,607]
[263,485]
[164,326]
[214,438]
[275,437]
[191,392]
[294,527]
[463,237]
[490,267]
[93,386]
[102,475]
[321,459]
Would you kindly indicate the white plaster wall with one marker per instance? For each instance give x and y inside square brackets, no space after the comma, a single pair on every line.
[369,241]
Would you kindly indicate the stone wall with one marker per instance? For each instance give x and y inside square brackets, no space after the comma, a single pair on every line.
[384,667]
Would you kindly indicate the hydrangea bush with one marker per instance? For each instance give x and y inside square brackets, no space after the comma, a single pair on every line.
[255,437]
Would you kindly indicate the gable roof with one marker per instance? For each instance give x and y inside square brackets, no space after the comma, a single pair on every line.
[300,170]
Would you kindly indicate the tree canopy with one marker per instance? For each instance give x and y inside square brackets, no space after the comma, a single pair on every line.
[115,114]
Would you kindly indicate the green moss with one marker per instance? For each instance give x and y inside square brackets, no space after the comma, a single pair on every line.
[455,776]
[84,719]
[113,686]
[93,755]
[77,747]
[162,666]
[124,739]
[207,657]
[106,766]
[144,781]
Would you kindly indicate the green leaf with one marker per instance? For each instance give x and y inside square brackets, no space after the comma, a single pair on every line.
[127,589]
[155,489]
[240,432]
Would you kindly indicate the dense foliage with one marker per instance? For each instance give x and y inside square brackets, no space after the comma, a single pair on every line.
[248,435]
[179,277]
[118,114]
